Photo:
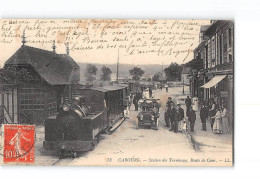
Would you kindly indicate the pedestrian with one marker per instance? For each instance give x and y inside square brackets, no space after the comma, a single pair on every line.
[188,103]
[166,87]
[225,122]
[145,94]
[167,107]
[126,111]
[203,116]
[191,118]
[135,101]
[172,114]
[195,103]
[212,112]
[217,127]
[150,92]
[179,118]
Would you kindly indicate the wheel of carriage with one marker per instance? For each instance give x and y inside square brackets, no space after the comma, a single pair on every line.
[156,124]
[93,144]
[62,153]
[74,154]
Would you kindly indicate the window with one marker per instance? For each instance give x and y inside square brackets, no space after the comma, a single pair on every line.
[230,46]
[220,49]
[209,54]
[213,50]
[32,99]
[206,57]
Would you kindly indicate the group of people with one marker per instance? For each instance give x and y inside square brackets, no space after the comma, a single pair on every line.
[174,116]
[145,94]
[215,114]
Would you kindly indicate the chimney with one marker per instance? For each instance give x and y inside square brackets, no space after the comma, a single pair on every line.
[23,37]
[54,46]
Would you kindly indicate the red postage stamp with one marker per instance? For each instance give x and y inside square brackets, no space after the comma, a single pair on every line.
[19,143]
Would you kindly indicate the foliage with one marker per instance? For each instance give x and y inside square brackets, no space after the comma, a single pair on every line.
[173,72]
[157,76]
[106,74]
[136,73]
[13,76]
[90,72]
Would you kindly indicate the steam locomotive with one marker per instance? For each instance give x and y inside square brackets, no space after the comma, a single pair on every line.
[77,126]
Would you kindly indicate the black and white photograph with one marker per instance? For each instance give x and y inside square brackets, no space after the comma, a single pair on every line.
[117,92]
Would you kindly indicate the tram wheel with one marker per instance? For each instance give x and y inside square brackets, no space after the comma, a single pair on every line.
[75,155]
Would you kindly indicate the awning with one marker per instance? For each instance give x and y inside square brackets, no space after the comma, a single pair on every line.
[215,80]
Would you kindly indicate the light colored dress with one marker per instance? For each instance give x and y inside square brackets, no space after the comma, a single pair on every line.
[225,122]
[195,104]
[217,127]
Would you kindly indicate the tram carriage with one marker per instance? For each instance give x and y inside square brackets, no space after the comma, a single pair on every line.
[78,124]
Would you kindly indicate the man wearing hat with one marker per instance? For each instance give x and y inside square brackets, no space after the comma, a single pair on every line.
[167,107]
[172,116]
[179,118]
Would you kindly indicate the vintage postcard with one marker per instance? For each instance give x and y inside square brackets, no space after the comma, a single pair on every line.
[108,92]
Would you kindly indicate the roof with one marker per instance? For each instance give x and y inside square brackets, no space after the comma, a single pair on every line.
[114,87]
[185,70]
[56,69]
[204,28]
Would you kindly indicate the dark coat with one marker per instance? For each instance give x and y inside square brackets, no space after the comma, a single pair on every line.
[135,100]
[179,115]
[168,104]
[188,101]
[204,112]
[171,113]
[191,115]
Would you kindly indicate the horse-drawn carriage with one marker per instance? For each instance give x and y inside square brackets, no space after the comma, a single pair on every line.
[148,113]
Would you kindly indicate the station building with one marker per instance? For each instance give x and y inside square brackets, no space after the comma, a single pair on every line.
[50,78]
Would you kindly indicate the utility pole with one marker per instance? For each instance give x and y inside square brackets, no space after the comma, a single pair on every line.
[117,67]
[183,85]
[162,73]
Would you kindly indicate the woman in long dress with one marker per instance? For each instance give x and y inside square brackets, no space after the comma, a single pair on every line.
[225,122]
[195,103]
[217,127]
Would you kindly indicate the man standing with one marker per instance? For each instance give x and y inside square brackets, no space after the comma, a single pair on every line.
[203,116]
[167,107]
[150,92]
[188,103]
[172,114]
[135,101]
[191,118]
[166,87]
[180,117]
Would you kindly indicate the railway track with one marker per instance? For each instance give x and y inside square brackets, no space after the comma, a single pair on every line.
[66,161]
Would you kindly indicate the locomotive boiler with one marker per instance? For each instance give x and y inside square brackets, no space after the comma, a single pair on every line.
[77,126]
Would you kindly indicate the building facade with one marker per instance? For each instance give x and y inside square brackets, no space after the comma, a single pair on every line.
[50,78]
[215,79]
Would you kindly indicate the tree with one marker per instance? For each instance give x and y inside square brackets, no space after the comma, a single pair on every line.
[90,72]
[136,73]
[13,76]
[157,76]
[106,73]
[173,72]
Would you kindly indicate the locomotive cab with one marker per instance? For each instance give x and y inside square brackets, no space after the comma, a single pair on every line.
[75,127]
